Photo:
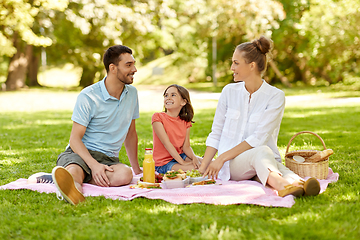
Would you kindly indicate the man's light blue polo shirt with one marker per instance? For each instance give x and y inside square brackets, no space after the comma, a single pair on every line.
[107,119]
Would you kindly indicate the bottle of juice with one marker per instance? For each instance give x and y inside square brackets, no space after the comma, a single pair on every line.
[149,166]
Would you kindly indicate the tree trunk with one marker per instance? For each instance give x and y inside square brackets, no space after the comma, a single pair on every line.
[303,73]
[18,65]
[87,77]
[283,79]
[33,69]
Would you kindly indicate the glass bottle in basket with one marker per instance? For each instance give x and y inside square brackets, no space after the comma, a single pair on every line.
[149,166]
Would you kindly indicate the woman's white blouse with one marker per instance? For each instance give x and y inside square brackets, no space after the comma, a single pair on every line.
[239,118]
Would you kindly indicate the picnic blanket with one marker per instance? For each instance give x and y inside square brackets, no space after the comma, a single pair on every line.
[222,193]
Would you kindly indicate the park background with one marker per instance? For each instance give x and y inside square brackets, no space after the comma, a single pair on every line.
[50,50]
[316,41]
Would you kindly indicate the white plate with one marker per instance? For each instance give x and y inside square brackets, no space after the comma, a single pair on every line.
[197,179]
[168,184]
[299,159]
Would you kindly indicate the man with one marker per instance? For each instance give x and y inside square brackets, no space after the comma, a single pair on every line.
[103,119]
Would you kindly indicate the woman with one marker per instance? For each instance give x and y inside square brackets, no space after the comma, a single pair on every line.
[246,127]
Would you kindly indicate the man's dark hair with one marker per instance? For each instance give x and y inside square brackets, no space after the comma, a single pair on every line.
[113,55]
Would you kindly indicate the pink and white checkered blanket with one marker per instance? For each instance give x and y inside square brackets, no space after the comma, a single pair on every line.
[223,193]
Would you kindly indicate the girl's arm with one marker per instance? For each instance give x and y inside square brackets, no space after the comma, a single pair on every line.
[188,150]
[161,133]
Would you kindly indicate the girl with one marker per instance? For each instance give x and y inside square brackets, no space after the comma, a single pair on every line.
[246,127]
[171,132]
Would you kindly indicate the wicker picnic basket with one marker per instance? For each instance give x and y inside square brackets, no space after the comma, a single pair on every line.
[318,170]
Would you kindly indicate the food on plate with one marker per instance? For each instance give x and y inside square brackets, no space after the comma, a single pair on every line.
[205,182]
[319,156]
[193,173]
[158,178]
[141,184]
[174,175]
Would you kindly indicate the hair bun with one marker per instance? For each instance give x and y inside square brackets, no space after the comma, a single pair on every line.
[263,44]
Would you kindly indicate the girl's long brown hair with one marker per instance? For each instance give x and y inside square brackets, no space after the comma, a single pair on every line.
[187,111]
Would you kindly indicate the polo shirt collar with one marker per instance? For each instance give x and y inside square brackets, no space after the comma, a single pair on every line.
[104,91]
[106,94]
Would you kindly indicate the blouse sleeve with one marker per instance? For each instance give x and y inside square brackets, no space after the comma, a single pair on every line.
[270,121]
[213,139]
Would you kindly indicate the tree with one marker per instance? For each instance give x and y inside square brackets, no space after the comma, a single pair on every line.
[18,36]
[319,40]
[87,28]
[333,30]
[289,43]
[196,23]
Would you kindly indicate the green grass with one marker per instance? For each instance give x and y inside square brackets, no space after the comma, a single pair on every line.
[31,141]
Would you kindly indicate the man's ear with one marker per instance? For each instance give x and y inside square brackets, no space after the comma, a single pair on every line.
[112,67]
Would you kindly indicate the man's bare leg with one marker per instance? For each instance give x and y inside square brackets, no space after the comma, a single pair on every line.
[122,175]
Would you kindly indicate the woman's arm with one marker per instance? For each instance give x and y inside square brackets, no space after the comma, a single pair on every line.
[208,156]
[164,138]
[214,167]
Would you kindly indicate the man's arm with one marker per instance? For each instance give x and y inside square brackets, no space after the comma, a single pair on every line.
[97,169]
[131,146]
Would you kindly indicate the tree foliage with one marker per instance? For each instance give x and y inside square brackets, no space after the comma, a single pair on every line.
[19,16]
[315,40]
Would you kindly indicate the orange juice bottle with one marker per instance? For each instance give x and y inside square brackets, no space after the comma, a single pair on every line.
[149,166]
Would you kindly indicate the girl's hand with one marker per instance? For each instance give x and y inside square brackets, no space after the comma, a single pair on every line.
[213,169]
[195,162]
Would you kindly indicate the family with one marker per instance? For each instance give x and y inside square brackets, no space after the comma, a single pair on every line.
[244,131]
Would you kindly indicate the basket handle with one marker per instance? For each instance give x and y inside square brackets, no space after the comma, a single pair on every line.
[322,141]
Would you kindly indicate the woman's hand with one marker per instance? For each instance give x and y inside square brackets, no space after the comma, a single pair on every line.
[213,169]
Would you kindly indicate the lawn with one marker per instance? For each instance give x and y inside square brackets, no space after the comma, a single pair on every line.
[31,140]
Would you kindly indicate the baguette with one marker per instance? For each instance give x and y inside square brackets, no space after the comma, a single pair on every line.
[205,182]
[320,156]
[141,184]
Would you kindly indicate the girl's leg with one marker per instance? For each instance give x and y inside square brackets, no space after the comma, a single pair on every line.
[185,168]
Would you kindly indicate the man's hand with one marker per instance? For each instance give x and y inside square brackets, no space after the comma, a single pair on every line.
[99,176]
